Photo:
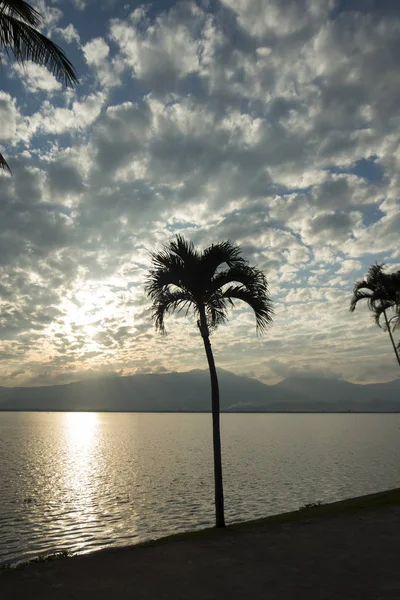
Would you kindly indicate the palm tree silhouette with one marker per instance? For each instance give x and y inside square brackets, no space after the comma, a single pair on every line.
[206,283]
[382,292]
[20,38]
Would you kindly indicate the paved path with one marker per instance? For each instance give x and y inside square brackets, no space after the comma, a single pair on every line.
[346,557]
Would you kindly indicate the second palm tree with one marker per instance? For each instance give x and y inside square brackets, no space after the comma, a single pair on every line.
[382,292]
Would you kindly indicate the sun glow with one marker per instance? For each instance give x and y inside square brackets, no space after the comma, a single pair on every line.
[87,320]
[86,311]
[81,430]
[84,315]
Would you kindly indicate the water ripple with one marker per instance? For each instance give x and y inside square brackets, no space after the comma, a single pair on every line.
[81,482]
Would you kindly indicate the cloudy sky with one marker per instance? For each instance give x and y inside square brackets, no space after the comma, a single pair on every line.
[274,123]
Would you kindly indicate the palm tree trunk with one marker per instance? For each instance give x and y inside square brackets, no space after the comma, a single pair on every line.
[391,337]
[219,490]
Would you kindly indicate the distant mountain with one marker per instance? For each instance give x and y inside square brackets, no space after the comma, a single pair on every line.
[190,392]
[341,394]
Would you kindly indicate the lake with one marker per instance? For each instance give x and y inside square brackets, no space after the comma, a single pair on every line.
[83,481]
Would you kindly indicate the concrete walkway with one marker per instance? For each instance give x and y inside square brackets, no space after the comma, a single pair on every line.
[345,557]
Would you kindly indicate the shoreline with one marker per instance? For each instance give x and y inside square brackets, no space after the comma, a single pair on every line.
[315,510]
[345,549]
[205,412]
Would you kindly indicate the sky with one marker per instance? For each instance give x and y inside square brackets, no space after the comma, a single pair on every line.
[273,123]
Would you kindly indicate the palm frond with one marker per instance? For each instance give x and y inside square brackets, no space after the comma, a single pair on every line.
[375,271]
[393,285]
[169,302]
[382,292]
[373,297]
[162,278]
[4,165]
[184,250]
[261,305]
[165,261]
[242,273]
[216,255]
[396,318]
[373,288]
[19,9]
[216,311]
[169,269]
[377,313]
[19,37]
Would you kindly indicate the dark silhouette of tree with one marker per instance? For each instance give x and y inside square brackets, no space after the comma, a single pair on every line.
[3,164]
[382,292]
[21,40]
[206,283]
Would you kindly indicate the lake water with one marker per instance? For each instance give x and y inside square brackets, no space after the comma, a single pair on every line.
[82,481]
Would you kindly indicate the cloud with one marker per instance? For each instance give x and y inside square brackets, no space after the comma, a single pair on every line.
[36,77]
[338,224]
[69,34]
[96,51]
[9,117]
[64,178]
[275,128]
[162,52]
[50,15]
[349,266]
[281,18]
[78,115]
[107,72]
[79,4]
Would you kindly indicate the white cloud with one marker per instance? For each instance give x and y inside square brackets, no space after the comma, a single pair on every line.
[69,34]
[78,116]
[96,54]
[278,17]
[165,50]
[79,4]
[96,51]
[349,266]
[50,15]
[8,117]
[36,77]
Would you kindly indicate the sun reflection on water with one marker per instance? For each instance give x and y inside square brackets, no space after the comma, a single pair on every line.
[81,468]
[93,498]
[81,431]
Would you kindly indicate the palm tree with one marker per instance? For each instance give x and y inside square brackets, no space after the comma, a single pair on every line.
[206,283]
[20,38]
[392,303]
[382,292]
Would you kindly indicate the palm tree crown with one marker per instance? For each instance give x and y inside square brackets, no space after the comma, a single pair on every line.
[182,278]
[382,292]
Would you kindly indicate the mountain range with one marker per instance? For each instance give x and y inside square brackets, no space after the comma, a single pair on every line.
[190,392]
